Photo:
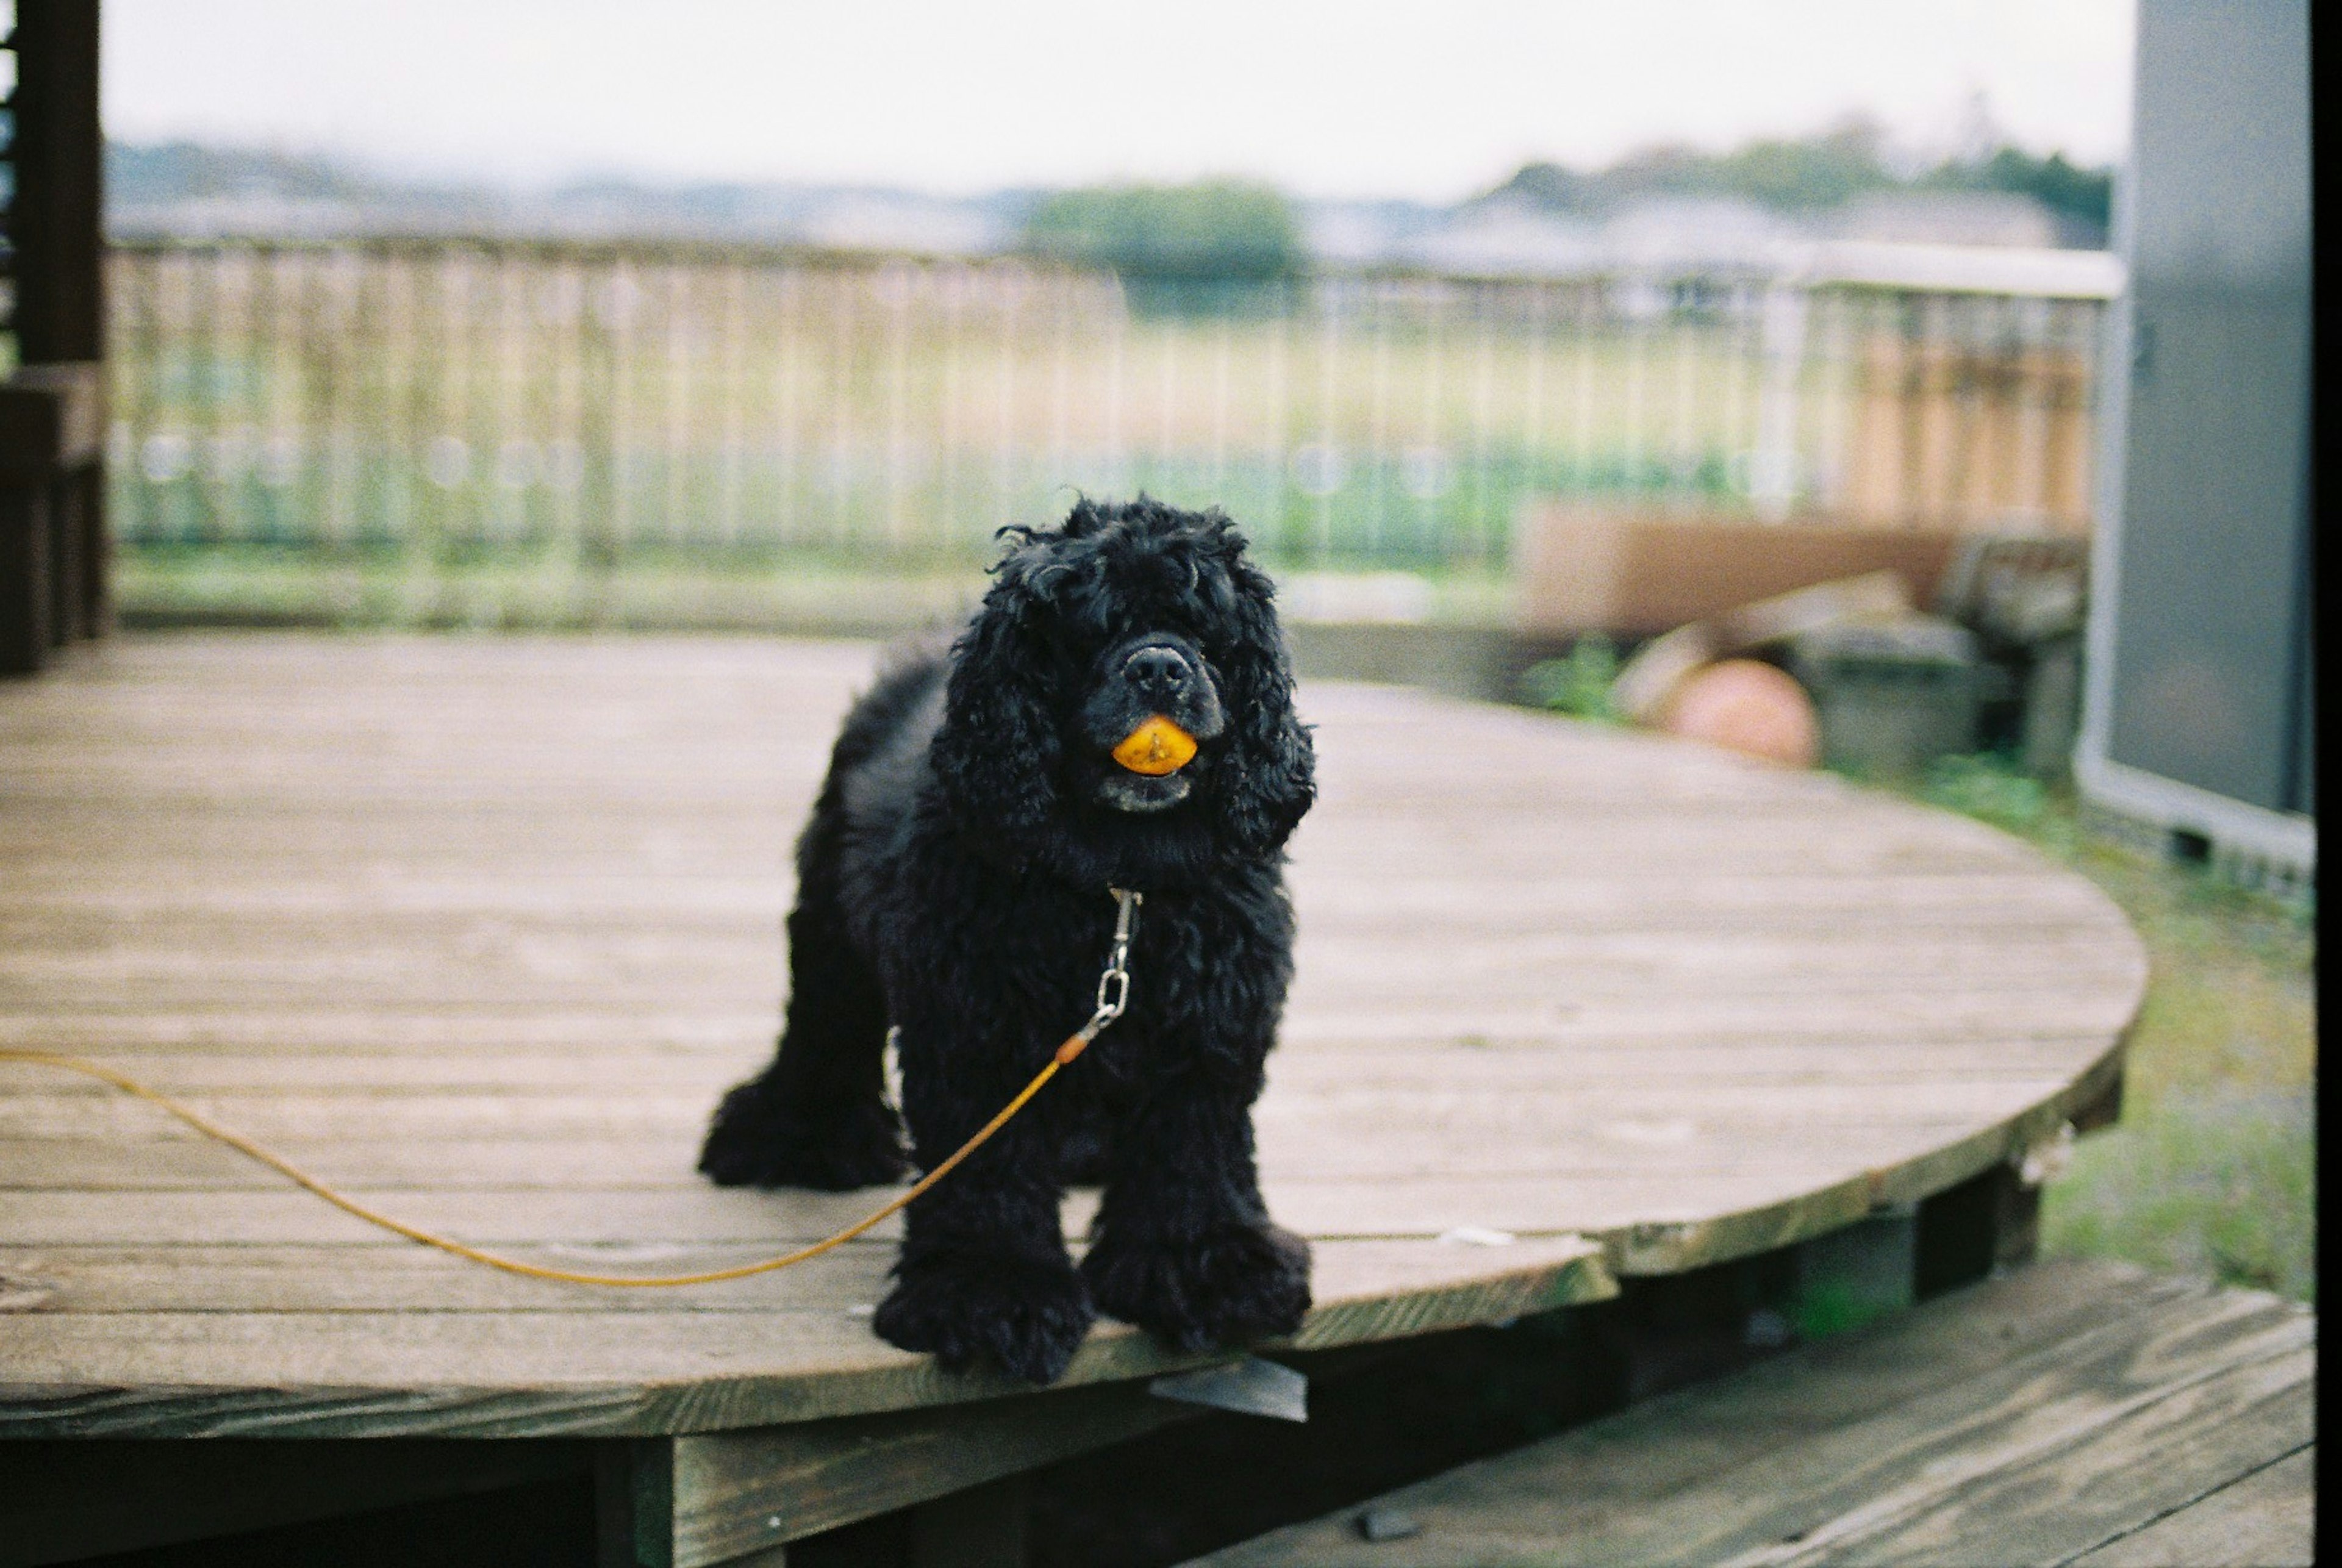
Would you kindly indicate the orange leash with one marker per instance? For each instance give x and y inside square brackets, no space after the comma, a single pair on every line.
[235,1140]
[1114,993]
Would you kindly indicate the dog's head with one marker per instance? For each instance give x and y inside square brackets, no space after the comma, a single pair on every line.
[1120,708]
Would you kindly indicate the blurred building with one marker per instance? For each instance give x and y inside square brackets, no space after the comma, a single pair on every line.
[1950,217]
[2200,720]
[1505,237]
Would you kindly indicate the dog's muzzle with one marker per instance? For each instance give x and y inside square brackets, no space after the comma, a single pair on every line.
[1152,705]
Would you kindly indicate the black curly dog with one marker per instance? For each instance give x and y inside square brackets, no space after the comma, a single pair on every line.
[954,881]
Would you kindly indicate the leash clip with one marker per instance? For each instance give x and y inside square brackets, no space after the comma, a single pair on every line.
[1114,985]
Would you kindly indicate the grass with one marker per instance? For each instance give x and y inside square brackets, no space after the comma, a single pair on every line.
[2213,1167]
[251,585]
[1578,683]
[803,592]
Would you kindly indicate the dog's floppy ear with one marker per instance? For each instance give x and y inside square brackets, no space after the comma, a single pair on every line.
[997,750]
[1269,774]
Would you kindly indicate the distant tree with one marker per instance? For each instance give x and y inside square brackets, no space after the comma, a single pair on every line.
[2084,196]
[1822,171]
[1555,186]
[1807,174]
[1802,173]
[1211,231]
[165,171]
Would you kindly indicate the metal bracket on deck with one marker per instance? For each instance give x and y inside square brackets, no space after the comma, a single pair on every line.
[1249,1387]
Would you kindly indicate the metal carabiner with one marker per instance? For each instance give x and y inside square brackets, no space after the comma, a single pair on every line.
[1114,983]
[1112,994]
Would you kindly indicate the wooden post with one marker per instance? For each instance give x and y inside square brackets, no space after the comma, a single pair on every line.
[25,520]
[52,524]
[1964,1232]
[55,221]
[633,1502]
[52,536]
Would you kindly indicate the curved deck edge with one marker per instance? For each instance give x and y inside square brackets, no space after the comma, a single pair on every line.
[1450,1286]
[1666,1248]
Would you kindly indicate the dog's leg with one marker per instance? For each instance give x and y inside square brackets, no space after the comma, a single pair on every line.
[1082,1150]
[1182,1245]
[984,1276]
[817,1117]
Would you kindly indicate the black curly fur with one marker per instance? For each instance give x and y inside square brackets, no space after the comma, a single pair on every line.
[953,880]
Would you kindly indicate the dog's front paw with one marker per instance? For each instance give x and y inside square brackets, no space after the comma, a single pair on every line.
[1230,1285]
[1025,1315]
[759,1140]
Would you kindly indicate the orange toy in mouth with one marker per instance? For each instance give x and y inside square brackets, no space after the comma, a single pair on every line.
[1155,748]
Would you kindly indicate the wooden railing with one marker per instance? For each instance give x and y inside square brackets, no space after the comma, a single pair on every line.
[443,400]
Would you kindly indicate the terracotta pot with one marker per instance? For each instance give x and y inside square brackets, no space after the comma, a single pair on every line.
[1748,706]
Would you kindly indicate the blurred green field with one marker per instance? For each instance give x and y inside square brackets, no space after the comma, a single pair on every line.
[675,589]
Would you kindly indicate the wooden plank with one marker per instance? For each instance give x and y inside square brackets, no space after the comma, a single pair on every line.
[1452,1282]
[1691,1212]
[91,1157]
[1611,963]
[739,1032]
[1543,1022]
[2043,1499]
[1688,925]
[1651,1220]
[534,796]
[460,856]
[1413,1060]
[1817,1455]
[1951,1008]
[1341,1004]
[531,800]
[1443,1112]
[391,1276]
[2268,1519]
[519,1373]
[736,1492]
[743,1033]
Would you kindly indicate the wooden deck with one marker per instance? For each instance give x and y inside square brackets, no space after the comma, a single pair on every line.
[2081,1413]
[480,928]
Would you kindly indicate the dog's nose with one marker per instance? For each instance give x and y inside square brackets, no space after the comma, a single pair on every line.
[1159,672]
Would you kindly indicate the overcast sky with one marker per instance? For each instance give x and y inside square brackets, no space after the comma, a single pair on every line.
[1371,97]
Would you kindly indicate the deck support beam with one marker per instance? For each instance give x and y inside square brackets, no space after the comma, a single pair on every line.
[711,1498]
